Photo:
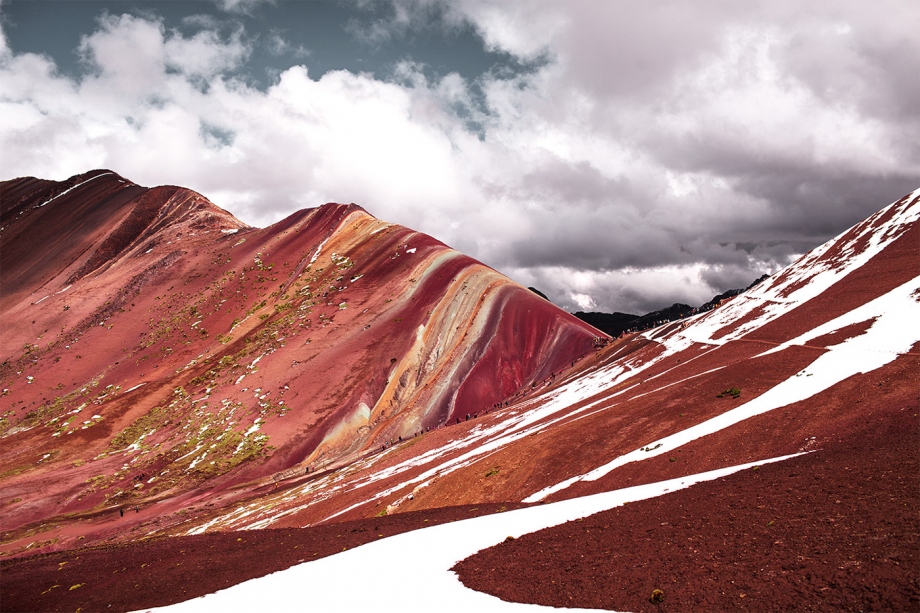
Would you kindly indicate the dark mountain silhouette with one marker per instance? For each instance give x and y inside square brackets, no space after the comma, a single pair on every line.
[615,324]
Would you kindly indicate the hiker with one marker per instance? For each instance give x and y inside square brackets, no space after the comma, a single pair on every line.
[121,512]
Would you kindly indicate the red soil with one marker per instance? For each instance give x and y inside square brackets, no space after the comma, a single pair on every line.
[833,530]
[162,571]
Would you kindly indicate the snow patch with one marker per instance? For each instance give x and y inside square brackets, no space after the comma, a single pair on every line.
[255,427]
[318,250]
[422,575]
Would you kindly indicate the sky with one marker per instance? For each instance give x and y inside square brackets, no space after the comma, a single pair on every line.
[618,156]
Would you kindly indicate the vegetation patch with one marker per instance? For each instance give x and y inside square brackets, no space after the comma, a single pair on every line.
[60,412]
[734,392]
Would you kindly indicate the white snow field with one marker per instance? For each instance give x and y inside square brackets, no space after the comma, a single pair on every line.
[411,571]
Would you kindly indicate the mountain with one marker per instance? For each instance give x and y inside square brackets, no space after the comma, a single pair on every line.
[760,455]
[615,324]
[155,345]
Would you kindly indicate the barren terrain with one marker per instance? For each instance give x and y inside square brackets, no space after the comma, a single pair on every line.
[179,387]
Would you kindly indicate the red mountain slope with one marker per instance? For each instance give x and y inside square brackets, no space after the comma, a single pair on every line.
[155,349]
[659,405]
[820,362]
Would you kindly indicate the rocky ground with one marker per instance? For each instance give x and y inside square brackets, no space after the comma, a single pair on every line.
[833,530]
[162,571]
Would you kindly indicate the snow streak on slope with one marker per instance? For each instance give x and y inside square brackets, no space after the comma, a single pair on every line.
[68,190]
[422,580]
[889,336]
[811,275]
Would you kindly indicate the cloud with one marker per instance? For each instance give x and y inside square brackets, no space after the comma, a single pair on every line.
[204,54]
[656,155]
[583,300]
[633,290]
[381,22]
[523,29]
[201,20]
[241,7]
[277,45]
[263,154]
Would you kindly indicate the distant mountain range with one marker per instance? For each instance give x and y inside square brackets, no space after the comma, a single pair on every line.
[615,324]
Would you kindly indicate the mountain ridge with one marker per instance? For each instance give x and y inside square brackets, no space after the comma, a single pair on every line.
[212,352]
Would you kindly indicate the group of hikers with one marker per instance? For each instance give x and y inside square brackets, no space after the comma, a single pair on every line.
[135,479]
[468,417]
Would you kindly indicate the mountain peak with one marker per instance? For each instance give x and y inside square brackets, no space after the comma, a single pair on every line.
[89,221]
